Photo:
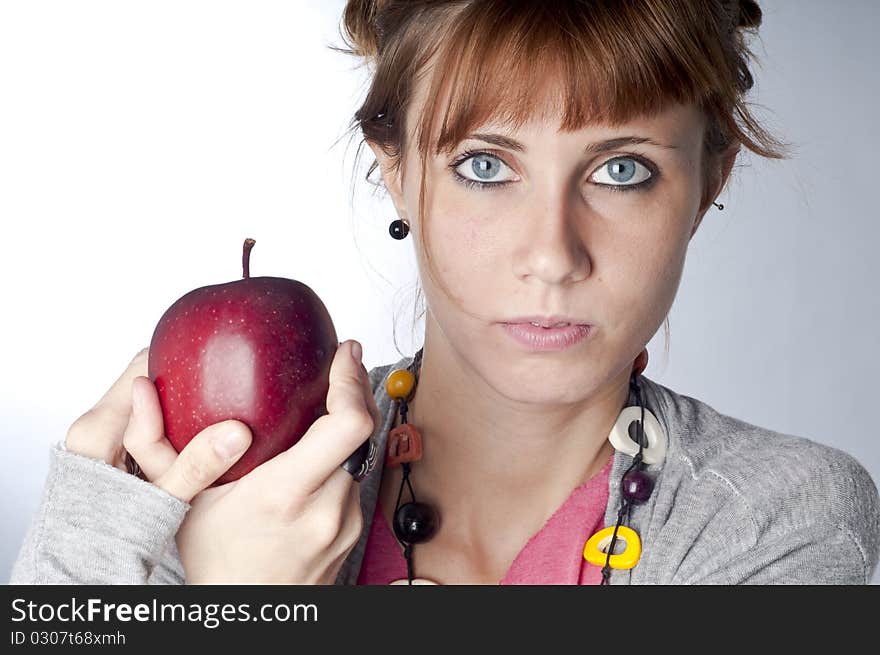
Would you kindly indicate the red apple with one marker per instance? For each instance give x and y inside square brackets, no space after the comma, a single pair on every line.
[257,350]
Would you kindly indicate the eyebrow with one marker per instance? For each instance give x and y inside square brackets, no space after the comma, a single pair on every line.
[601,146]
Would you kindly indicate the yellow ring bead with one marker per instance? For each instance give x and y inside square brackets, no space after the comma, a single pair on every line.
[400,384]
[593,549]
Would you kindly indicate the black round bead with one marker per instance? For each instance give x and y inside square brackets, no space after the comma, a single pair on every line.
[415,523]
[398,229]
[637,486]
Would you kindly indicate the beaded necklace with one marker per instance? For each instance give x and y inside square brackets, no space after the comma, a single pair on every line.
[637,433]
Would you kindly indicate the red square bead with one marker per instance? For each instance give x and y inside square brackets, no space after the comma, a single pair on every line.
[404,445]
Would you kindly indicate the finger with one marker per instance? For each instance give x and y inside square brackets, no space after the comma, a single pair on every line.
[337,519]
[144,435]
[301,469]
[98,432]
[204,459]
[337,486]
[370,398]
[338,497]
[354,464]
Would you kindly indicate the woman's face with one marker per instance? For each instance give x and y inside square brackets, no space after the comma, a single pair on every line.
[570,224]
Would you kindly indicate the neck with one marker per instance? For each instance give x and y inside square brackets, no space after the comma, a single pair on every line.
[486,455]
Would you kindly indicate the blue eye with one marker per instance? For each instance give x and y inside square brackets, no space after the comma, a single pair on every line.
[627,173]
[624,172]
[483,165]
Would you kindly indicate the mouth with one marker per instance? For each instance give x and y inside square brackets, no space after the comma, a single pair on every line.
[536,337]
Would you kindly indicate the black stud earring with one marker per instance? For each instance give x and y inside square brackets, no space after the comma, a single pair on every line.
[398,228]
[720,206]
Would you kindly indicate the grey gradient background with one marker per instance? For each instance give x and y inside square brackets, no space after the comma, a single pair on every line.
[141,142]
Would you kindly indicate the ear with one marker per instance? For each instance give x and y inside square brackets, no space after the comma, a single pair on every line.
[718,174]
[391,177]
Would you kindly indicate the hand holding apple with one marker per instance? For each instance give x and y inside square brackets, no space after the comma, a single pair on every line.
[295,518]
[256,350]
[291,520]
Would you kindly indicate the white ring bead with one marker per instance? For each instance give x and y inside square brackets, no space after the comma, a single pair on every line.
[655,451]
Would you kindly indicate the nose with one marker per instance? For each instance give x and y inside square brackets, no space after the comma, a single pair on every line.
[550,247]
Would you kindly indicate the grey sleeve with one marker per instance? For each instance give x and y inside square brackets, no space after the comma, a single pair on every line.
[831,533]
[817,554]
[96,524]
[169,570]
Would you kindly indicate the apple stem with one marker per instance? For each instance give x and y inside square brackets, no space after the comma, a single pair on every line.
[246,258]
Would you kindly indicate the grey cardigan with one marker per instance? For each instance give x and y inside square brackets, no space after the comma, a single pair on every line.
[733,503]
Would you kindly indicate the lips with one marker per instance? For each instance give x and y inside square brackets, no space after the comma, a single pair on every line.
[538,338]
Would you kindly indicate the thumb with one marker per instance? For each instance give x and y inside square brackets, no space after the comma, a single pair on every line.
[205,458]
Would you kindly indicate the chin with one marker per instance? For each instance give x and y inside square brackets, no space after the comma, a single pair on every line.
[542,395]
[542,382]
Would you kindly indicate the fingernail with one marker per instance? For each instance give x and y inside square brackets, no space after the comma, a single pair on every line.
[229,444]
[356,351]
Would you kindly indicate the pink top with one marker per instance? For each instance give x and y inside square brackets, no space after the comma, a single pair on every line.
[553,556]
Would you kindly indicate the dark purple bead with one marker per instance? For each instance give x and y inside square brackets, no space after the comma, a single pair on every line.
[637,486]
[415,523]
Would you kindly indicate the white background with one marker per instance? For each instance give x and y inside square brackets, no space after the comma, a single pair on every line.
[141,142]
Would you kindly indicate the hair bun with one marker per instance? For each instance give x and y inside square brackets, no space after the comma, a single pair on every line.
[359,25]
[748,14]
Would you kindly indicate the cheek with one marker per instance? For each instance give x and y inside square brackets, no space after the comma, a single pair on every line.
[637,253]
[466,248]
[643,277]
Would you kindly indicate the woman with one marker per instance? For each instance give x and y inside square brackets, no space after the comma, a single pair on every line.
[552,162]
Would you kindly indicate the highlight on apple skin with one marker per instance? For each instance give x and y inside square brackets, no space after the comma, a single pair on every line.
[257,350]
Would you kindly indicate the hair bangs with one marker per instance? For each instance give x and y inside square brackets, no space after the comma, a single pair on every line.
[506,63]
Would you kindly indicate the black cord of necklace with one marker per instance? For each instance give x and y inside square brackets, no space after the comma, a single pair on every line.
[407,548]
[415,369]
[405,479]
[622,514]
[625,505]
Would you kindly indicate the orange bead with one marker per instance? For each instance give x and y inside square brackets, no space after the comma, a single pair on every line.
[404,445]
[400,384]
